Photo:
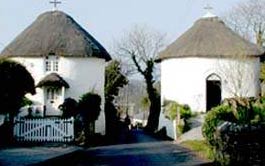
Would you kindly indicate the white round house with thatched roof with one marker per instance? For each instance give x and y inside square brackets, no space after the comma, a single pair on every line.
[207,64]
[64,59]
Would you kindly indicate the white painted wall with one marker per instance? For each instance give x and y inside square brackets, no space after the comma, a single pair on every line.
[37,69]
[171,126]
[184,79]
[82,74]
[85,75]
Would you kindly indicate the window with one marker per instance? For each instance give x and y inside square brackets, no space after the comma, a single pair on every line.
[55,65]
[53,94]
[48,65]
[52,63]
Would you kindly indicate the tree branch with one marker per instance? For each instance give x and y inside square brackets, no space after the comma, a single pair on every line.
[137,65]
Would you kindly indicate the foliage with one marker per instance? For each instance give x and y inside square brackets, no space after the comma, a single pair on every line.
[145,102]
[16,81]
[112,122]
[247,110]
[213,118]
[238,110]
[171,109]
[69,108]
[243,113]
[241,108]
[25,102]
[185,112]
[114,81]
[89,106]
[89,111]
[201,148]
[240,144]
[258,114]
[183,127]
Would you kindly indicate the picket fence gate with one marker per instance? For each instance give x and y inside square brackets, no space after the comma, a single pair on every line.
[44,130]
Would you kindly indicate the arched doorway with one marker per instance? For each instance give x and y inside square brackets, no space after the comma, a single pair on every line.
[213,91]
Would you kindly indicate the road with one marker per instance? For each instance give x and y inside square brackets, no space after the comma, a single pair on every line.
[143,151]
[21,156]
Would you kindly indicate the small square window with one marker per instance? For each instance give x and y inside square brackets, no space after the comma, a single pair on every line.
[48,65]
[52,64]
[55,65]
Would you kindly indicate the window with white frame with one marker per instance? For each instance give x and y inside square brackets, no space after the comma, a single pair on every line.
[53,94]
[52,63]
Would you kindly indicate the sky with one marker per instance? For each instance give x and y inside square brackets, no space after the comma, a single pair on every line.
[108,20]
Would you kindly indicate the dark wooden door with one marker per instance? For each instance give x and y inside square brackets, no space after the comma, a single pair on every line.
[214,96]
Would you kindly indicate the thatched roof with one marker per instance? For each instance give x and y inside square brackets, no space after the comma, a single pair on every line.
[54,80]
[210,37]
[57,33]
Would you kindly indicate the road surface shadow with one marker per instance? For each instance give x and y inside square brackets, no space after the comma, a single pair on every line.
[140,150]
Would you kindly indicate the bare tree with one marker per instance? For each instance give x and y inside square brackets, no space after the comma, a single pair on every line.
[238,74]
[248,19]
[142,46]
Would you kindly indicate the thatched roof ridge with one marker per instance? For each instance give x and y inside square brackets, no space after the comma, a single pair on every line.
[58,33]
[210,37]
[53,79]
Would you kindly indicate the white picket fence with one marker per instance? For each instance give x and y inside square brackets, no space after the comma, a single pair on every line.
[44,130]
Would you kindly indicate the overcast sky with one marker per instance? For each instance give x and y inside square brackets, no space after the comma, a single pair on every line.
[106,20]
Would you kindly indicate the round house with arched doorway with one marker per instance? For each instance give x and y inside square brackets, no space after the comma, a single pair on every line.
[207,64]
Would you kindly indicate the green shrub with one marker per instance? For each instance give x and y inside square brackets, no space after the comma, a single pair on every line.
[25,102]
[185,111]
[69,108]
[239,111]
[258,113]
[241,108]
[171,109]
[89,108]
[213,118]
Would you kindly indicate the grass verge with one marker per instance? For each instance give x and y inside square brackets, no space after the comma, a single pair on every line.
[200,148]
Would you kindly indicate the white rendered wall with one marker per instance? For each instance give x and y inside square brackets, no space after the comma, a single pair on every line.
[82,74]
[85,75]
[184,79]
[170,125]
[36,68]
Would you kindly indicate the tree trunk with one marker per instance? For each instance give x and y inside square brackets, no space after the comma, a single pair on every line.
[153,119]
[112,128]
[154,97]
